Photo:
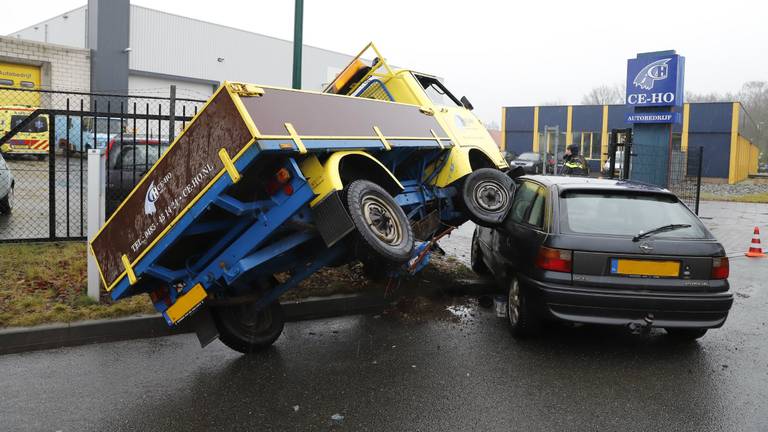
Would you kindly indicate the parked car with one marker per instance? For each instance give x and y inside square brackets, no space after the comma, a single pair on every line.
[605,252]
[509,156]
[128,161]
[533,163]
[78,135]
[618,167]
[6,187]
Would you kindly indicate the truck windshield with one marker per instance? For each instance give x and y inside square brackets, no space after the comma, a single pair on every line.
[436,91]
[626,214]
[39,124]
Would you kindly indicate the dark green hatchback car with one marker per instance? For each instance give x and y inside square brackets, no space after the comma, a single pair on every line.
[605,252]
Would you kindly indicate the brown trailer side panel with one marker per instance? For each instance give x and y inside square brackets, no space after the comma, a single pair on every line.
[325,115]
[188,166]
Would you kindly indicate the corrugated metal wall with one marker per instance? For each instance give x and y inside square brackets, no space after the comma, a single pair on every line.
[67,29]
[192,48]
[168,44]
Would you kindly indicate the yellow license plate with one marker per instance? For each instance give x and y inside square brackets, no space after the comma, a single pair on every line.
[185,304]
[645,268]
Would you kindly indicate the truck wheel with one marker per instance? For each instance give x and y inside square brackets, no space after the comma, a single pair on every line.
[6,204]
[383,230]
[487,195]
[248,331]
[476,257]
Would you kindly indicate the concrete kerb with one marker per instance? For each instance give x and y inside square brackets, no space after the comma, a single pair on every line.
[49,336]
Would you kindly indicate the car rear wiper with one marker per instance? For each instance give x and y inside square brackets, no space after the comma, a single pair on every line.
[664,228]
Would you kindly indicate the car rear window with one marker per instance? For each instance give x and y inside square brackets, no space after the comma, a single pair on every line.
[626,214]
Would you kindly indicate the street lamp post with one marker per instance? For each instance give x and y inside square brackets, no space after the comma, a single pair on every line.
[298,20]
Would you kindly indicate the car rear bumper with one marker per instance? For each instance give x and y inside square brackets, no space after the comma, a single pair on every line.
[604,306]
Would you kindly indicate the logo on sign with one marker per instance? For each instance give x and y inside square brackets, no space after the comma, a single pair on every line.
[655,79]
[150,198]
[656,71]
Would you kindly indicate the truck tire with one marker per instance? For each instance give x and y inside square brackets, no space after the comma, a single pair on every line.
[382,228]
[248,331]
[487,195]
[6,203]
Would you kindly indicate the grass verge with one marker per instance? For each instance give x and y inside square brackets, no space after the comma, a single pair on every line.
[46,282]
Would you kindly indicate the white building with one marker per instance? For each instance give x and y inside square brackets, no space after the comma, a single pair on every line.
[161,49]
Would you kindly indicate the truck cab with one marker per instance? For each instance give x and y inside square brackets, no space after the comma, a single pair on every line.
[474,147]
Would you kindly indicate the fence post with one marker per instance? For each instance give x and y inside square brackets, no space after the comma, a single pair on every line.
[698,178]
[172,115]
[52,177]
[96,210]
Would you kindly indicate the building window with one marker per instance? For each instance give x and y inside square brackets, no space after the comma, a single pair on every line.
[589,144]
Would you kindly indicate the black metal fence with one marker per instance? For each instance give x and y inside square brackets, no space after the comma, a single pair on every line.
[685,176]
[44,138]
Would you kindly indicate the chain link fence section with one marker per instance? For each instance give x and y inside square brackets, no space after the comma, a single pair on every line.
[685,176]
[44,139]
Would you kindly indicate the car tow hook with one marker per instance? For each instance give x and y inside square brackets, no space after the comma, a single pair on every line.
[642,326]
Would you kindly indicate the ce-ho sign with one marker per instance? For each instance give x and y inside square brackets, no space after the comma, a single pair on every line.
[655,79]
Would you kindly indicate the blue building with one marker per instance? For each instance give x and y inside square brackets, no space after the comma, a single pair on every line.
[724,129]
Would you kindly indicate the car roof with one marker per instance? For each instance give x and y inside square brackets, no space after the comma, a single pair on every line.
[573,183]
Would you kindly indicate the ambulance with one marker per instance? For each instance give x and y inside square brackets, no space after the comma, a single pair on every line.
[19,99]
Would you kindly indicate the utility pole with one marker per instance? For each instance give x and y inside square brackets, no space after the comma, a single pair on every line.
[298,23]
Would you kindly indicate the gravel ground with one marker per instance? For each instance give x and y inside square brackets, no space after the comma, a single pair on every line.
[734,189]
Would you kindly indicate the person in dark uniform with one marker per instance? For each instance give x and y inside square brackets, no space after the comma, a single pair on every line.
[574,163]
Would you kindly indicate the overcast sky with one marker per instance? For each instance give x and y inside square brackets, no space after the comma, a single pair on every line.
[501,52]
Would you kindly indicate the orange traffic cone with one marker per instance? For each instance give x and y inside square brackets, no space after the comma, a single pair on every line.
[755,248]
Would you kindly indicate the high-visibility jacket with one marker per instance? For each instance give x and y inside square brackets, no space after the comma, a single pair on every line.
[576,166]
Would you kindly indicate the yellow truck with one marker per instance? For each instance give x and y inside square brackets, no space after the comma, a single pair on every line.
[269,181]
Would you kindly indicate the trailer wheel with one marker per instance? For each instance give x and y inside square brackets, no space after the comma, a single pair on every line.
[487,196]
[248,331]
[383,230]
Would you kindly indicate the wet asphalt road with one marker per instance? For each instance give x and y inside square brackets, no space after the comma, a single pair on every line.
[386,373]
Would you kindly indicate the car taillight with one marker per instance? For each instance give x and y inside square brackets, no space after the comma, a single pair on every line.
[558,260]
[720,268]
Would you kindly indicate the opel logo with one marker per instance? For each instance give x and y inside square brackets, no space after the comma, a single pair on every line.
[646,247]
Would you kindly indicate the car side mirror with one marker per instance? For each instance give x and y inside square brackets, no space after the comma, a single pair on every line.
[466,103]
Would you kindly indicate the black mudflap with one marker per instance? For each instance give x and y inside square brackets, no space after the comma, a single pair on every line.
[331,218]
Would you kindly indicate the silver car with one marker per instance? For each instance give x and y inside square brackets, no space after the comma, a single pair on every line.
[6,188]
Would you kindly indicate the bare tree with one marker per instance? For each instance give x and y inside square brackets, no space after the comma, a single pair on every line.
[753,95]
[605,95]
